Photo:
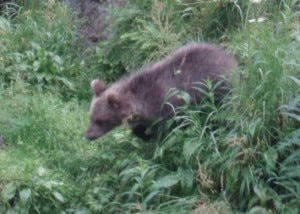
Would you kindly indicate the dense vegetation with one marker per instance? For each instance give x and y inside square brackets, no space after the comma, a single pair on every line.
[240,156]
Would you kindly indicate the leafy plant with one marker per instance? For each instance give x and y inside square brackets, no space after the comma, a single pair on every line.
[45,62]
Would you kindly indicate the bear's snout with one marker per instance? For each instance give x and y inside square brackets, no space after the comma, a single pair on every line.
[93,132]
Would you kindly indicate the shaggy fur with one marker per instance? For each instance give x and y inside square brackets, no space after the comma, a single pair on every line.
[140,98]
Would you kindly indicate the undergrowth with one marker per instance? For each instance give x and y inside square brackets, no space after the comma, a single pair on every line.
[39,48]
[240,155]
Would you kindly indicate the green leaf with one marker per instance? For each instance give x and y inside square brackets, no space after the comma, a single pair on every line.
[258,210]
[9,191]
[258,192]
[58,196]
[57,60]
[36,66]
[271,157]
[40,76]
[133,191]
[190,148]
[35,45]
[184,96]
[296,80]
[53,69]
[294,116]
[66,82]
[187,180]
[167,181]
[150,196]
[41,171]
[25,195]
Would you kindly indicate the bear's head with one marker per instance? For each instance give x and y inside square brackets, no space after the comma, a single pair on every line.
[107,110]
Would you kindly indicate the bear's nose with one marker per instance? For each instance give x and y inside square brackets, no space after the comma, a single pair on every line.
[88,137]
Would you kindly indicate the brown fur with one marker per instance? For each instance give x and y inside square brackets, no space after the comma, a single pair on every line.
[140,97]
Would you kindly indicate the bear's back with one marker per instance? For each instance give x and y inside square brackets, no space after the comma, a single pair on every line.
[190,64]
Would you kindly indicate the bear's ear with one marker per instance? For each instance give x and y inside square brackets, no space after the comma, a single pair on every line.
[97,86]
[113,101]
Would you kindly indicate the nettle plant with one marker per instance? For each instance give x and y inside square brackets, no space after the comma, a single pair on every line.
[37,67]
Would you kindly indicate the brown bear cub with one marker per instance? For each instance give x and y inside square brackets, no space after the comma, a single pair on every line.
[144,96]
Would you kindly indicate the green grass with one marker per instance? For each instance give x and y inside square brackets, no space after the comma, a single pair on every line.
[15,163]
[241,155]
[35,149]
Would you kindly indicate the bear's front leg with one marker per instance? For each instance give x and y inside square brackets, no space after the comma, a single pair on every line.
[141,130]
